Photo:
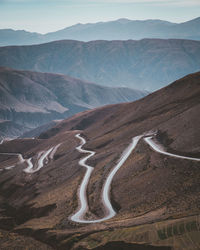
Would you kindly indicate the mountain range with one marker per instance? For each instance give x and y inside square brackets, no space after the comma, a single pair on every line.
[99,137]
[31,99]
[146,64]
[155,196]
[121,29]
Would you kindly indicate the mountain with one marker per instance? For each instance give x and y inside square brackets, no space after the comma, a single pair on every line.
[30,99]
[155,196]
[19,37]
[38,130]
[146,64]
[121,29]
[124,29]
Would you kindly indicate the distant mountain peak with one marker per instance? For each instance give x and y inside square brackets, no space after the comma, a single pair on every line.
[123,20]
[193,21]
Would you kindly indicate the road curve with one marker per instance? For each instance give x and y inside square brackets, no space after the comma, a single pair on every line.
[43,156]
[21,160]
[20,157]
[30,169]
[110,212]
[42,159]
[51,156]
[79,215]
[160,150]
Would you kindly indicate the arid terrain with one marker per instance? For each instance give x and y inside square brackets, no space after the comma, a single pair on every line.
[155,196]
[32,99]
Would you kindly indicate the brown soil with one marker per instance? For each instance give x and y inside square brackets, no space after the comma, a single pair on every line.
[148,188]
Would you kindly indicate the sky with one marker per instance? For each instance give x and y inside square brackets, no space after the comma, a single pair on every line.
[50,15]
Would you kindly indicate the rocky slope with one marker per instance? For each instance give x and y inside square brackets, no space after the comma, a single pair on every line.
[30,99]
[156,197]
[146,64]
[122,29]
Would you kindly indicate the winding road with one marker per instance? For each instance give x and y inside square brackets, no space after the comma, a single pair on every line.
[42,159]
[20,157]
[110,212]
[44,156]
[160,150]
[82,191]
[79,215]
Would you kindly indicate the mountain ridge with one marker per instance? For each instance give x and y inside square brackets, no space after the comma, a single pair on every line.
[32,99]
[120,29]
[146,64]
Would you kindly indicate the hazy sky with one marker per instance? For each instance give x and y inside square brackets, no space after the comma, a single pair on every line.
[50,15]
